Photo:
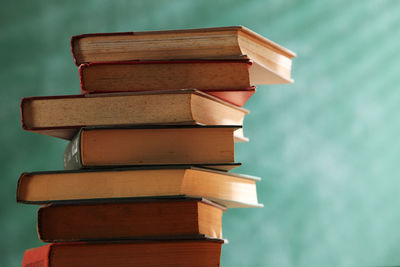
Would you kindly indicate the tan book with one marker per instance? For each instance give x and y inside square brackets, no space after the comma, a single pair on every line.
[180,218]
[158,145]
[228,189]
[272,61]
[63,116]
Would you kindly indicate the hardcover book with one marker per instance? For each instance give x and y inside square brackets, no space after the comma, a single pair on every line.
[228,189]
[158,145]
[203,75]
[191,253]
[176,218]
[272,61]
[63,116]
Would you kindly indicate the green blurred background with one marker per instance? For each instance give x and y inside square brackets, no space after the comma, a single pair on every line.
[325,146]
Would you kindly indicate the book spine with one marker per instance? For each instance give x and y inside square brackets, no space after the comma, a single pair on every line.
[72,46]
[81,79]
[72,154]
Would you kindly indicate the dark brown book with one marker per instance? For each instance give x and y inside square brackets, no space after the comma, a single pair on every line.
[63,116]
[227,189]
[231,84]
[203,75]
[181,218]
[272,61]
[204,252]
[158,145]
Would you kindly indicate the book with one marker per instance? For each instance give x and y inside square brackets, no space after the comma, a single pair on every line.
[63,116]
[180,218]
[194,253]
[272,61]
[167,75]
[158,145]
[228,189]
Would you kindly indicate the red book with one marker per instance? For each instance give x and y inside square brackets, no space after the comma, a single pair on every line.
[201,252]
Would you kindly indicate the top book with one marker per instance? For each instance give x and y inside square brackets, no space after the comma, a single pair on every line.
[271,60]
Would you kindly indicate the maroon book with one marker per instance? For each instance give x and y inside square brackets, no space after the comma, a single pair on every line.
[139,219]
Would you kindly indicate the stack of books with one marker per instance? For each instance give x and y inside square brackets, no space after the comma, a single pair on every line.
[152,139]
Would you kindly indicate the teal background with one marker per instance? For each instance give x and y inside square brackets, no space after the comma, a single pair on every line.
[326,146]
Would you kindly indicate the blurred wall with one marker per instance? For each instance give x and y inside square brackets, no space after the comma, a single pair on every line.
[326,146]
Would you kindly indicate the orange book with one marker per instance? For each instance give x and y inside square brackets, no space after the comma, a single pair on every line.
[202,252]
[158,145]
